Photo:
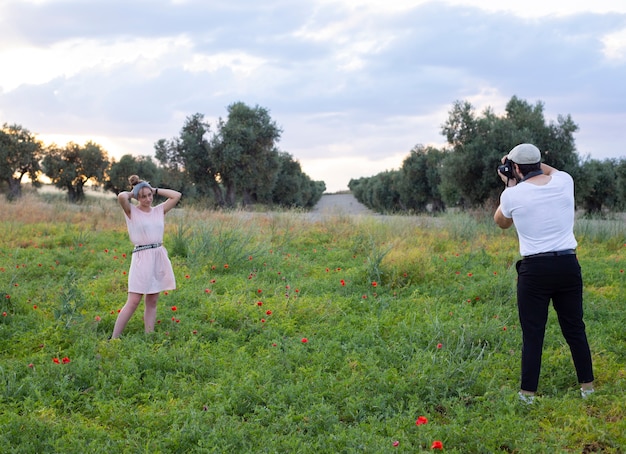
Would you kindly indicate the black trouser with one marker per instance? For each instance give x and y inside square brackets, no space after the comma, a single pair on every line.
[539,280]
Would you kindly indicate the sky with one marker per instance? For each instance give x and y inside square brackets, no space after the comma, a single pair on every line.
[354,85]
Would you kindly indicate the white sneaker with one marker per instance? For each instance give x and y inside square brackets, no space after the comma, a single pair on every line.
[526,398]
[584,393]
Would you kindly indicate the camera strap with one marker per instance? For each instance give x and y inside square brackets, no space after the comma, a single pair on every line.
[534,173]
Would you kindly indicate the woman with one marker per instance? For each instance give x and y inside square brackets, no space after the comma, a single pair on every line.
[150,267]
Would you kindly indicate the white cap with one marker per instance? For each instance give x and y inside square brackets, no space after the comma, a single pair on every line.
[525,153]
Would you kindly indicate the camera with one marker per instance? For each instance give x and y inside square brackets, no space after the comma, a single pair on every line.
[506,169]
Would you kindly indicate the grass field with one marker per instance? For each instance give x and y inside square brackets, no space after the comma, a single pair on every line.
[288,335]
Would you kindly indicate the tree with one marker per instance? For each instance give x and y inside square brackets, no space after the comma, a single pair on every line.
[294,188]
[190,155]
[380,193]
[20,153]
[420,180]
[597,188]
[128,165]
[72,167]
[244,152]
[477,144]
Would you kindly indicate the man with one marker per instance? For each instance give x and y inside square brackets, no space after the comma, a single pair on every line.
[539,200]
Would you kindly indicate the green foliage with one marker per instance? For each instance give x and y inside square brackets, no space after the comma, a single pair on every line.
[73,166]
[291,348]
[463,174]
[20,153]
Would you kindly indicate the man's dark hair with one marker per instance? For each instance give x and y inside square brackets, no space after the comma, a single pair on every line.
[525,169]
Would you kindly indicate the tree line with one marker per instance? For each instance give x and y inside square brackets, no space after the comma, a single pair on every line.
[463,173]
[239,163]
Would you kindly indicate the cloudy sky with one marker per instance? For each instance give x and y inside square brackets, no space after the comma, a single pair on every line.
[354,84]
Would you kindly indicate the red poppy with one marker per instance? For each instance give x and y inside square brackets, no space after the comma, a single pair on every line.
[343,283]
[439,345]
[174,308]
[395,444]
[421,420]
[437,445]
[304,340]
[259,303]
[268,313]
[65,360]
[56,360]
[374,284]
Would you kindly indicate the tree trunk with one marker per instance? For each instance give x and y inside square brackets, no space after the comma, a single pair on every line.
[15,188]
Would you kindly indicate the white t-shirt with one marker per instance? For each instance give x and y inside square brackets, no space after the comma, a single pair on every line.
[543,215]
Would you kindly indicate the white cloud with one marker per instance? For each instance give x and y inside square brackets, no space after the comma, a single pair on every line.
[38,65]
[615,45]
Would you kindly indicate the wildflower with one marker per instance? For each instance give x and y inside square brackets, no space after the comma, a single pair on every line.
[4,314]
[259,291]
[106,251]
[437,445]
[268,313]
[186,276]
[395,444]
[207,290]
[226,266]
[304,340]
[97,318]
[31,365]
[259,303]
[439,345]
[56,361]
[374,284]
[195,331]
[35,306]
[469,274]
[343,283]
[421,420]
[174,308]
[262,320]
[65,360]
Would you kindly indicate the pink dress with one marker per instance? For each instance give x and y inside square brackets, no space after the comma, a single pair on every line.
[150,269]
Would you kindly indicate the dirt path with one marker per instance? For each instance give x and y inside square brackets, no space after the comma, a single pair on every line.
[340,204]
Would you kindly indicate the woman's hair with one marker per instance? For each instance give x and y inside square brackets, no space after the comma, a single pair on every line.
[134,180]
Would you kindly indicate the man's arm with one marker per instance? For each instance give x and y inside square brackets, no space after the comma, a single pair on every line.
[502,221]
[548,170]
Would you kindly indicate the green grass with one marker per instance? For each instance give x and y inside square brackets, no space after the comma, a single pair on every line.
[295,336]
